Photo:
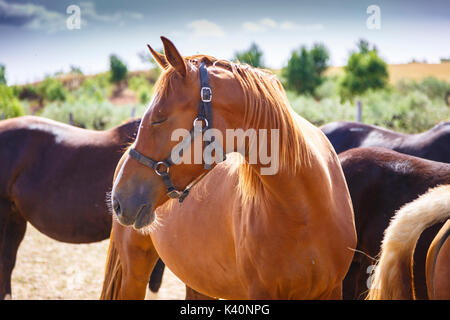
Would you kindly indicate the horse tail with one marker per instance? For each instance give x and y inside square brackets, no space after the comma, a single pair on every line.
[156,276]
[113,273]
[432,256]
[393,276]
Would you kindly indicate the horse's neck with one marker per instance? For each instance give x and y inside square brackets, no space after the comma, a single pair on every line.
[282,187]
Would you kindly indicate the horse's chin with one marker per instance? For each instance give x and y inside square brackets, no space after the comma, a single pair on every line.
[144,219]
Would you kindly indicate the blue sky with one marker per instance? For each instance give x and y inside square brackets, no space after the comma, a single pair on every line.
[34,39]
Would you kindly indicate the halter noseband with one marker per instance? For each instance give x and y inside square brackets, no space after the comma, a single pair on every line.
[161,168]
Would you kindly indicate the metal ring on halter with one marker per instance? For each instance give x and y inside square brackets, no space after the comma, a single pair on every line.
[164,172]
[200,119]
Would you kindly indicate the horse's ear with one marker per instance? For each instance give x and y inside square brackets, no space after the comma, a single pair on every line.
[174,57]
[159,58]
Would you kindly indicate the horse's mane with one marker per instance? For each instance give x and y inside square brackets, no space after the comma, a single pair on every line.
[266,107]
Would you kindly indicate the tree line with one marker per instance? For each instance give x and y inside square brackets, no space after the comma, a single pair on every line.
[305,68]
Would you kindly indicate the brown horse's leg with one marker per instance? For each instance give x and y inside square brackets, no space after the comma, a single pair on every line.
[138,256]
[191,294]
[12,231]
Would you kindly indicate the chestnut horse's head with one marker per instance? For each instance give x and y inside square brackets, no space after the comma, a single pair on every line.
[147,177]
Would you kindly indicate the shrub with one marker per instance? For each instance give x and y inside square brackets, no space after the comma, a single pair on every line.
[327,89]
[304,71]
[320,112]
[409,112]
[91,115]
[52,89]
[141,87]
[432,87]
[27,92]
[91,90]
[9,105]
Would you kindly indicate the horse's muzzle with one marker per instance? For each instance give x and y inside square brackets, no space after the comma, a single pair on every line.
[133,211]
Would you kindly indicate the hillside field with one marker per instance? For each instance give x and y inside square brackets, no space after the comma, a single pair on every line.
[412,71]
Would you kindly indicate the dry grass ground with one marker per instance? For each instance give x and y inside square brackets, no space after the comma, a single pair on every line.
[413,71]
[48,269]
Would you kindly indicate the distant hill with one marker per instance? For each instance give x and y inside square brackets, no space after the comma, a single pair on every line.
[414,71]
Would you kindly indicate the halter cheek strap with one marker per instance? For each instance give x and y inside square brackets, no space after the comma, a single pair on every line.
[161,168]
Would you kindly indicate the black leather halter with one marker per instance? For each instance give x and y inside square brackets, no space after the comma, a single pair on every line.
[161,168]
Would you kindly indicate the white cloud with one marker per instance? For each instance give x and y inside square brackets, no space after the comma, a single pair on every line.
[88,10]
[253,27]
[33,16]
[270,24]
[205,28]
[260,26]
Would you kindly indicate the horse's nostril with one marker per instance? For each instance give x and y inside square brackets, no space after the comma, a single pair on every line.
[116,206]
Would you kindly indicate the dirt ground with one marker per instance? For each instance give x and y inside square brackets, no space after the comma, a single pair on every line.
[49,269]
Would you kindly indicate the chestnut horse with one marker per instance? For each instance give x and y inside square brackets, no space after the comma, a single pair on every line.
[381,181]
[392,278]
[224,241]
[433,144]
[55,176]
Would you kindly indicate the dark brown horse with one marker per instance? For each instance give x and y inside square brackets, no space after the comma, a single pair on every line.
[55,176]
[433,144]
[380,181]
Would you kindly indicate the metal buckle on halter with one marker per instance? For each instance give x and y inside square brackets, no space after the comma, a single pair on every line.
[206,94]
[200,119]
[161,173]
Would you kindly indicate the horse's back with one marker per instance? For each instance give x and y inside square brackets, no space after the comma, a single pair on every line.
[345,135]
[433,144]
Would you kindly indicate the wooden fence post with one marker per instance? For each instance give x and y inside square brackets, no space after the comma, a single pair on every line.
[358,111]
[71,118]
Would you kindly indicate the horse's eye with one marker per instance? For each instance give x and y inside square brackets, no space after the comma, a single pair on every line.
[157,122]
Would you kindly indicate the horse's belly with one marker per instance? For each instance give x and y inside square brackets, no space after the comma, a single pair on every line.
[64,215]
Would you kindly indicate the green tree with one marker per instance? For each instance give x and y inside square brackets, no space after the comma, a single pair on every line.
[252,56]
[118,69]
[9,105]
[364,70]
[75,70]
[2,74]
[305,68]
